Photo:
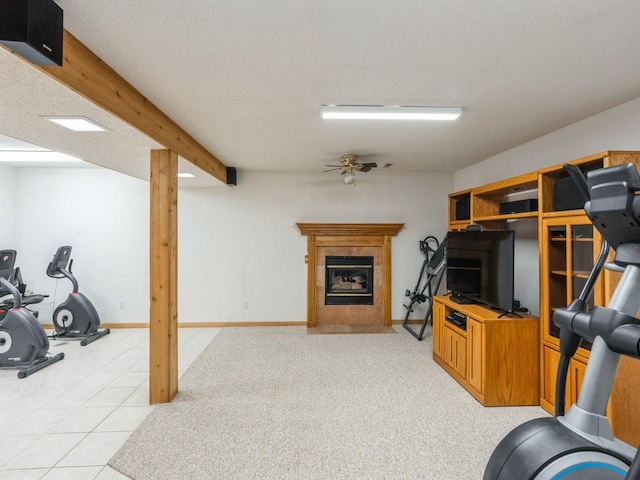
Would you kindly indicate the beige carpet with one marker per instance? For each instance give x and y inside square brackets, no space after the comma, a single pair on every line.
[276,403]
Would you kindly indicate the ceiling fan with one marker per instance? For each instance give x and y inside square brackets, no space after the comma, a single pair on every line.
[349,164]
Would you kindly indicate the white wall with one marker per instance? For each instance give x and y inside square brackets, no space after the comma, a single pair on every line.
[242,243]
[235,243]
[614,129]
[104,217]
[8,203]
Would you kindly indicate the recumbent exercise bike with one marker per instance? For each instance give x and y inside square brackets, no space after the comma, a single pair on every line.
[23,342]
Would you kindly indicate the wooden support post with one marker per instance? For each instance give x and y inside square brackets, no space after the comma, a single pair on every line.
[163,318]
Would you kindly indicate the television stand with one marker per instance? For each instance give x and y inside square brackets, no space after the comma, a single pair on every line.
[496,358]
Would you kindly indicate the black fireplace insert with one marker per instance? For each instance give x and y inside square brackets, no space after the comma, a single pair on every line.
[348,280]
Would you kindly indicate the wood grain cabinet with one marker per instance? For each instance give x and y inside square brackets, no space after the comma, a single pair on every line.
[495,358]
[499,366]
[549,368]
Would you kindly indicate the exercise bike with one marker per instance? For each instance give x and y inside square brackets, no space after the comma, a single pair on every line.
[76,317]
[580,445]
[23,342]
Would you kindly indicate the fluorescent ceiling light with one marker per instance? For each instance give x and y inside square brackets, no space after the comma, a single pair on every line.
[78,124]
[363,112]
[32,157]
[9,144]
[186,175]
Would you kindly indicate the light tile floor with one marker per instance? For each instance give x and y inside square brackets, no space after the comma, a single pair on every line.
[66,421]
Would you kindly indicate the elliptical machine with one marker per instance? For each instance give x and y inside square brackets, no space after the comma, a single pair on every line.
[580,445]
[23,341]
[76,317]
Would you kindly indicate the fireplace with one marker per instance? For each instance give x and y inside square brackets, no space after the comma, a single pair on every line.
[371,240]
[348,280]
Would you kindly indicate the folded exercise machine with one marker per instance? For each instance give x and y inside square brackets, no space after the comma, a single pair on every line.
[76,317]
[23,341]
[428,284]
[580,445]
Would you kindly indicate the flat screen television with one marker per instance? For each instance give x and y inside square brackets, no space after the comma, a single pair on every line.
[480,267]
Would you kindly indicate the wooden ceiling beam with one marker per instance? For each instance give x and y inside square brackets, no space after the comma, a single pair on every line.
[89,76]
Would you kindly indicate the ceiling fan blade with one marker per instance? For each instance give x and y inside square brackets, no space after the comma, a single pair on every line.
[365,167]
[332,169]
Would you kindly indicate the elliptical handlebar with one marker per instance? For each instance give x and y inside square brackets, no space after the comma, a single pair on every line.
[619,331]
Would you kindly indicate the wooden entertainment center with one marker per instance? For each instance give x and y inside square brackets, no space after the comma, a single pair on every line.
[568,246]
[495,358]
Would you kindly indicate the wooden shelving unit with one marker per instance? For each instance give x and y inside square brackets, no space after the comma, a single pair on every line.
[488,198]
[568,245]
[485,202]
[459,218]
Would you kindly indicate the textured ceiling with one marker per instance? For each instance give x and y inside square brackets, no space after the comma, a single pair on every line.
[247,79]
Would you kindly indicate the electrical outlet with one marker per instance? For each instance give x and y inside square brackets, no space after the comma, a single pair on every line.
[245,304]
[121,304]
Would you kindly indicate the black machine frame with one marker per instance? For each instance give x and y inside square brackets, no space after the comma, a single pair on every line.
[580,444]
[428,284]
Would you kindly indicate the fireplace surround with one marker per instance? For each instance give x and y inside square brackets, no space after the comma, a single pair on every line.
[349,240]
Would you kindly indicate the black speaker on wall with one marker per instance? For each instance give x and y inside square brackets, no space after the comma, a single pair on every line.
[32,29]
[232,176]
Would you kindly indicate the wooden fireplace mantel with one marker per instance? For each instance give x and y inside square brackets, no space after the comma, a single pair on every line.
[323,236]
[355,229]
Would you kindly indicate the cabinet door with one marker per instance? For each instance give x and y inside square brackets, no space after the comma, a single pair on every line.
[550,360]
[438,322]
[574,380]
[569,248]
[475,339]
[455,351]
[575,375]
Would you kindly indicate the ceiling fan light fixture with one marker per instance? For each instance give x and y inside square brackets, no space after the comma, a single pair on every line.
[365,112]
[349,178]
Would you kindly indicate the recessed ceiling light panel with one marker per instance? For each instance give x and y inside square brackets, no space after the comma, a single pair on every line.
[10,144]
[186,175]
[78,124]
[364,112]
[34,157]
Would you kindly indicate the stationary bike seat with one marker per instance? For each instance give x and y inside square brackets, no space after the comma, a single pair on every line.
[31,299]
[28,300]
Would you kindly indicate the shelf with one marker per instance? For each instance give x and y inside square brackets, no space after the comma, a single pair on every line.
[507,216]
[574,239]
[563,213]
[459,222]
[581,274]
